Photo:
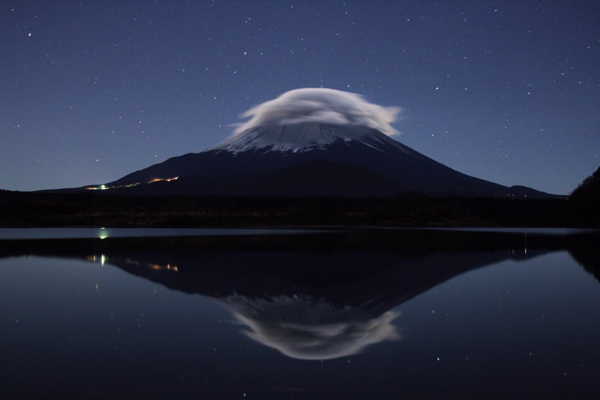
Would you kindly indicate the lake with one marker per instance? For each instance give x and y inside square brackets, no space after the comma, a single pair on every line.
[299,314]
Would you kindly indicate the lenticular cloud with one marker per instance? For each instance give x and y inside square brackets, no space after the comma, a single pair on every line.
[321,105]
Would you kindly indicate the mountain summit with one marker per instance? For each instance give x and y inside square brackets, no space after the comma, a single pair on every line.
[307,136]
[309,142]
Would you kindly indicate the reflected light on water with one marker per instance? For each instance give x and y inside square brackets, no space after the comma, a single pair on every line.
[102,259]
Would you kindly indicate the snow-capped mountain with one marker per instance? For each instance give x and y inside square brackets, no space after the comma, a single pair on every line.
[301,137]
[307,159]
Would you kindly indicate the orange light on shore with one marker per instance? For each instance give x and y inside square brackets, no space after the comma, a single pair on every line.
[166,179]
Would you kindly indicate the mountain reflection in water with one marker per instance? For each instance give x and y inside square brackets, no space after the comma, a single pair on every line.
[313,296]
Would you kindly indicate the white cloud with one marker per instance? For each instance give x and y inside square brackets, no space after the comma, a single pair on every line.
[321,105]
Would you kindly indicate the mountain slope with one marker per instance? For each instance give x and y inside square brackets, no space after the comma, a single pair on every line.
[307,159]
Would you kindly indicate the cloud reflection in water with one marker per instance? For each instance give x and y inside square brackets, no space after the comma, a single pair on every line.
[310,329]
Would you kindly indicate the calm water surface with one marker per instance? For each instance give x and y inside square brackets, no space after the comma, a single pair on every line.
[354,315]
[103,233]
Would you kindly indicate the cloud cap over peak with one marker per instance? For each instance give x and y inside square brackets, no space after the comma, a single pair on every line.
[321,105]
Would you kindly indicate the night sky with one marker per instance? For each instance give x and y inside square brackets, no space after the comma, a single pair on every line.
[507,91]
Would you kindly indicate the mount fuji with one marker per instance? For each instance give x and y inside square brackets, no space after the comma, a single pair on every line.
[307,158]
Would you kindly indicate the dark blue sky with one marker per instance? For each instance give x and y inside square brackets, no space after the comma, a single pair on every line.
[92,90]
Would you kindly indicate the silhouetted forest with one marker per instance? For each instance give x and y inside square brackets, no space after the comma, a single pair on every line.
[584,202]
[30,209]
[43,210]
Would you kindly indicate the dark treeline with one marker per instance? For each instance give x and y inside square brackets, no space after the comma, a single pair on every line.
[26,209]
[585,200]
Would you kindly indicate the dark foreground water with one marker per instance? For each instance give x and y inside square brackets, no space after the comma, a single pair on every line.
[346,315]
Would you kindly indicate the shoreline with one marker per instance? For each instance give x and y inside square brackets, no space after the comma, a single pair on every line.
[412,210]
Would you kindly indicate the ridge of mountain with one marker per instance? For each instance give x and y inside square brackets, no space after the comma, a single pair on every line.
[307,159]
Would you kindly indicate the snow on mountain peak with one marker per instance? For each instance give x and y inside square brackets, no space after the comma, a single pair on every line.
[300,137]
[321,105]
